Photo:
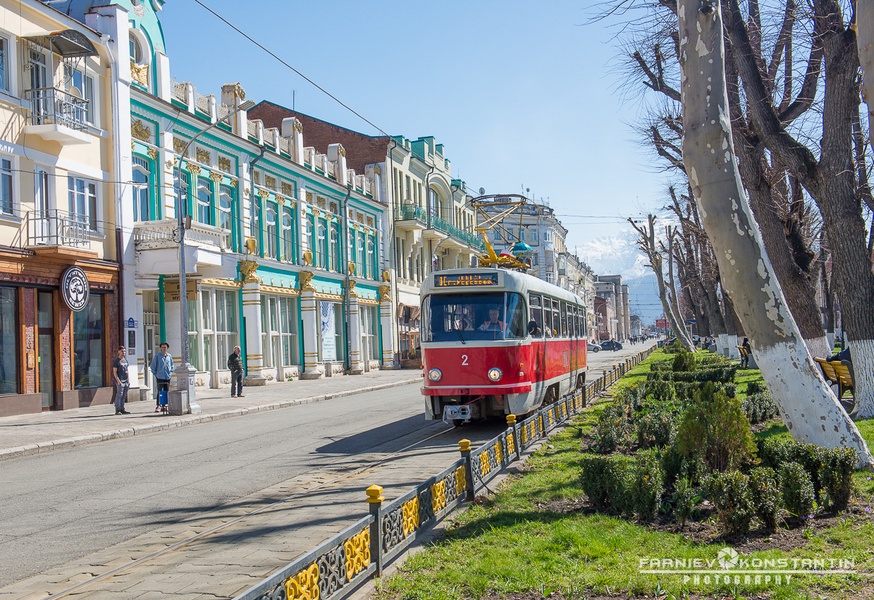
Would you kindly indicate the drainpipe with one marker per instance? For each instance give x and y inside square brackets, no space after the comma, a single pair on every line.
[119,245]
[396,204]
[343,204]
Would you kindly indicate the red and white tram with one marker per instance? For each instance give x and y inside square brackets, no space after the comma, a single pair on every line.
[497,342]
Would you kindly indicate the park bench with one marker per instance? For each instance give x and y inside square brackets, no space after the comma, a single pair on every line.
[837,372]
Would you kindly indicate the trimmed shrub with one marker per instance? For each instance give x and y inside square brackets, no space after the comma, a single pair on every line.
[656,428]
[730,494]
[683,361]
[611,430]
[649,485]
[755,387]
[661,391]
[836,475]
[714,429]
[775,452]
[606,481]
[685,499]
[766,495]
[809,456]
[759,407]
[797,489]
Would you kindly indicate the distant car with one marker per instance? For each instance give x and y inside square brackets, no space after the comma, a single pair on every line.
[611,345]
[593,347]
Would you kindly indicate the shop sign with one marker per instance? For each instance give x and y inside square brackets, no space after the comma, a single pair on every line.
[171,289]
[75,288]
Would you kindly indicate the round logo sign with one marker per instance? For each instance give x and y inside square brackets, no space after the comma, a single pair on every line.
[75,288]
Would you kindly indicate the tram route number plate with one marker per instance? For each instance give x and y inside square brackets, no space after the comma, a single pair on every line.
[456,413]
[466,280]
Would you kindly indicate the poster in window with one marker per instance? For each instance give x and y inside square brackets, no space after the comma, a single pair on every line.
[329,346]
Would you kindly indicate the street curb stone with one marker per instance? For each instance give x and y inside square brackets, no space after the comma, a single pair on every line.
[183,421]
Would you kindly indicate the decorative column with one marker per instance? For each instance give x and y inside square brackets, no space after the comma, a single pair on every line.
[387,323]
[252,320]
[356,365]
[309,314]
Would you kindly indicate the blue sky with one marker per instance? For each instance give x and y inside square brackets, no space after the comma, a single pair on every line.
[522,94]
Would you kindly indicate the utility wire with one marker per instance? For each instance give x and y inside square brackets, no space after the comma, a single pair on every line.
[281,61]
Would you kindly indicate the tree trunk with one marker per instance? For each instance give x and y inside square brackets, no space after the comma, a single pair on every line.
[808,407]
[830,181]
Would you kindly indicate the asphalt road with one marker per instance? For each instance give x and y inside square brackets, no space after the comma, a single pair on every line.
[59,507]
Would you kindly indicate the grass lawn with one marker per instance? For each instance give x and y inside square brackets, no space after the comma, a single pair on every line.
[537,537]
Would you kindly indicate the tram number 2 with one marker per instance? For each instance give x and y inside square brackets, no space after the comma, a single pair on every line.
[464,360]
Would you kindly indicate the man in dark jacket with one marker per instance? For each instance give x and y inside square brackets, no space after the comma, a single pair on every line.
[235,364]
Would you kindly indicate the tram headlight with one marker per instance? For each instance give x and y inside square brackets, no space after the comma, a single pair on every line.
[435,374]
[495,374]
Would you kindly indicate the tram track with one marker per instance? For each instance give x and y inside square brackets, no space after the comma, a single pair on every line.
[247,516]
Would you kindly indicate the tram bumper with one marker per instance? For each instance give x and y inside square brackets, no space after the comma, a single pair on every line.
[490,390]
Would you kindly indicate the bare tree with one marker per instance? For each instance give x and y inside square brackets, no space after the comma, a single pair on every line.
[747,274]
[830,179]
[647,243]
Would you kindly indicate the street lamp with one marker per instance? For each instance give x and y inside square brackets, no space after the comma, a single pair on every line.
[183,403]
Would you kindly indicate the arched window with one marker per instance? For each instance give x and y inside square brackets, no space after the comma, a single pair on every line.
[226,198]
[287,239]
[270,230]
[204,201]
[142,188]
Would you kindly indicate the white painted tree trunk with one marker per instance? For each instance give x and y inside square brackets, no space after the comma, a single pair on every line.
[863,358]
[808,407]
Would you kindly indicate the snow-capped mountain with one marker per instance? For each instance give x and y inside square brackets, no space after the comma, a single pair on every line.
[618,254]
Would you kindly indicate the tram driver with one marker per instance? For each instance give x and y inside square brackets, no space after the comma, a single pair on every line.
[493,323]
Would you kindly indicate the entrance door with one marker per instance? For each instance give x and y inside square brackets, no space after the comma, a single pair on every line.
[150,343]
[45,349]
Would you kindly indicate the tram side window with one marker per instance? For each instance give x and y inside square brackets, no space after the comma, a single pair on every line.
[535,328]
[556,318]
[516,316]
[562,311]
[571,320]
[547,317]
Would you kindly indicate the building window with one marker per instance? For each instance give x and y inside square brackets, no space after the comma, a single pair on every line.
[226,323]
[136,51]
[82,197]
[142,188]
[6,204]
[270,231]
[369,339]
[337,259]
[279,325]
[8,341]
[226,199]
[204,201]
[4,63]
[322,245]
[287,239]
[84,86]
[88,343]
[288,328]
[371,256]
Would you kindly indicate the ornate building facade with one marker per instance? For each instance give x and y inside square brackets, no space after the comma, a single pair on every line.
[59,272]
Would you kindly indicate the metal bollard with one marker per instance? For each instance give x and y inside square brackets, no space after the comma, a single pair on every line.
[374,499]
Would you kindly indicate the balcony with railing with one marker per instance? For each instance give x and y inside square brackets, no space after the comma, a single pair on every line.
[411,212]
[59,231]
[155,235]
[58,116]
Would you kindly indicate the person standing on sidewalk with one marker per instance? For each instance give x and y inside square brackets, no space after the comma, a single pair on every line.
[235,364]
[162,369]
[122,383]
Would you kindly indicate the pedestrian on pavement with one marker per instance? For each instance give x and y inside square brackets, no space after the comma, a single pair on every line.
[745,361]
[235,364]
[121,380]
[162,369]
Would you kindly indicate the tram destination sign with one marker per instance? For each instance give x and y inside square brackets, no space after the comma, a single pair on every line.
[465,280]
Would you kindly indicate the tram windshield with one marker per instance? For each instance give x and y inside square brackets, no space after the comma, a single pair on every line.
[466,317]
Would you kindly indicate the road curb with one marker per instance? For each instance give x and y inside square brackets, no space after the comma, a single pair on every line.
[185,420]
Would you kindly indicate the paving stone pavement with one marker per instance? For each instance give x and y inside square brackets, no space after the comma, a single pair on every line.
[43,432]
